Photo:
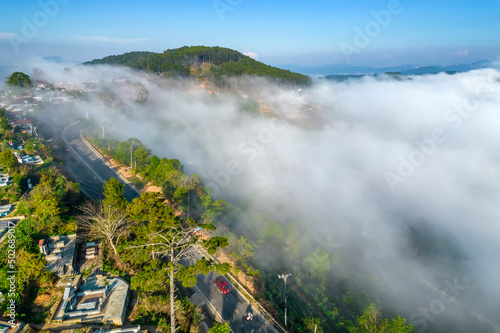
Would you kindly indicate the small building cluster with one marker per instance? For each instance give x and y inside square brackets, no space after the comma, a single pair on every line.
[23,104]
[59,252]
[24,126]
[26,159]
[97,300]
[93,299]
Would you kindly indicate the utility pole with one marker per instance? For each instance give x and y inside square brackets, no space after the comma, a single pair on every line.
[131,163]
[284,277]
[188,183]
[189,197]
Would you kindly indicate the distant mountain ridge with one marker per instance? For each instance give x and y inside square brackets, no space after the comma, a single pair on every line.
[59,60]
[209,64]
[325,70]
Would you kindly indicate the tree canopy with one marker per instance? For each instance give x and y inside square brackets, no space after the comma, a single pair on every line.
[8,159]
[113,193]
[224,62]
[19,79]
[371,321]
[220,328]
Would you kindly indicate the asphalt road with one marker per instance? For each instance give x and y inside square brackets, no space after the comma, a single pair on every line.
[232,307]
[90,171]
[97,170]
[8,222]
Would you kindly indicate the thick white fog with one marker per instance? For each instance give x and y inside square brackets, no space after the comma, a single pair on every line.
[359,163]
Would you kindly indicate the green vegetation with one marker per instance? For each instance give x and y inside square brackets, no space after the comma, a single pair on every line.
[4,123]
[8,159]
[141,232]
[209,64]
[186,194]
[48,209]
[371,321]
[19,79]
[125,228]
[220,328]
[146,239]
[318,298]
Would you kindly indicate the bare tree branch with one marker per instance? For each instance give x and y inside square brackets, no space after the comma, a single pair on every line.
[98,221]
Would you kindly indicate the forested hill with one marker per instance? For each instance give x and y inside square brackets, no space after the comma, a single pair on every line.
[206,63]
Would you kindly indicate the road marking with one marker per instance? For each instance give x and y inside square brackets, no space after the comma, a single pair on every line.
[212,306]
[78,155]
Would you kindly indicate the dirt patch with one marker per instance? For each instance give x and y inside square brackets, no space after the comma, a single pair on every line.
[247,280]
[46,303]
[126,172]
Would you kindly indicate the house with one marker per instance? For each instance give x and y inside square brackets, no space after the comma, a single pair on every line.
[28,159]
[42,244]
[59,252]
[98,299]
[25,101]
[41,84]
[24,126]
[8,327]
[16,115]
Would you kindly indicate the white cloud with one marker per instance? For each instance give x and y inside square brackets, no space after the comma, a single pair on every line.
[113,39]
[464,53]
[328,176]
[250,54]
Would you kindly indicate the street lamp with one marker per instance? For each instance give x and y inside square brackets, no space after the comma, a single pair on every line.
[284,277]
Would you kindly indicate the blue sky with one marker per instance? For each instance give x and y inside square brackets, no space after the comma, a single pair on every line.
[278,32]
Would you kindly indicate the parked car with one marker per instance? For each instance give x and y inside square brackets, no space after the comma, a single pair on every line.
[222,285]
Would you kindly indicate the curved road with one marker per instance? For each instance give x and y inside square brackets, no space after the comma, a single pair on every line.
[231,307]
[100,171]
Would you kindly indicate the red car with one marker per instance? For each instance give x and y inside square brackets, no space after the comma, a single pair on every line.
[222,284]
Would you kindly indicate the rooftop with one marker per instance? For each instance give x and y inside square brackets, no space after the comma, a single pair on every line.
[98,299]
[60,254]
[23,122]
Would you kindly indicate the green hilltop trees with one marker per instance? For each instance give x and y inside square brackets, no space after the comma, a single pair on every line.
[224,62]
[19,79]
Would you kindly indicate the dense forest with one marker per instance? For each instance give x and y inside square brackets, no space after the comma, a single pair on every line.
[212,64]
